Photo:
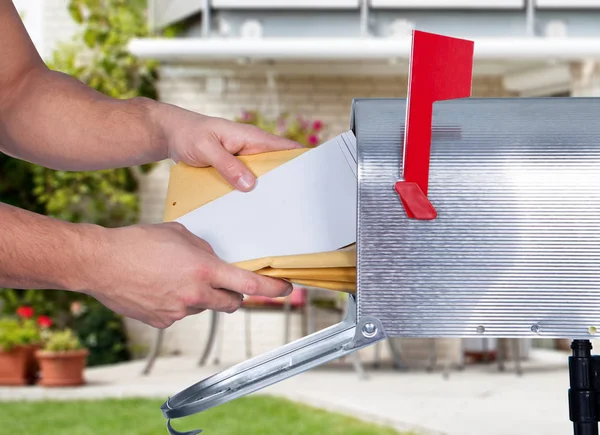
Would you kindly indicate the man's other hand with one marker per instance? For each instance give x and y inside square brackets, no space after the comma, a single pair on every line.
[159,274]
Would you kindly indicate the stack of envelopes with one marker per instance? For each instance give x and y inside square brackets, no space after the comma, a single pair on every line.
[208,206]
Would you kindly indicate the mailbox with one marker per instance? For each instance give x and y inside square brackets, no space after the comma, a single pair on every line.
[508,245]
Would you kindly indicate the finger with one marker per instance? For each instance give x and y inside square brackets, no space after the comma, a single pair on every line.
[190,311]
[257,141]
[224,301]
[230,167]
[244,282]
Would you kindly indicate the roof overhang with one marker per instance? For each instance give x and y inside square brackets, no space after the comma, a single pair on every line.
[356,49]
[529,66]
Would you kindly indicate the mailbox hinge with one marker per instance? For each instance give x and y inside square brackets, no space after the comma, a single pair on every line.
[272,367]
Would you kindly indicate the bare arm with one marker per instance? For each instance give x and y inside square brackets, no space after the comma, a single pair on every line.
[64,247]
[54,120]
[154,273]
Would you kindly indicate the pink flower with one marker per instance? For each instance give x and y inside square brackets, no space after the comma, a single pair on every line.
[25,312]
[44,322]
[313,139]
[304,124]
[77,308]
[317,125]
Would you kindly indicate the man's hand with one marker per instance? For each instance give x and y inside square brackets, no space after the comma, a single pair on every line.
[156,274]
[159,274]
[200,140]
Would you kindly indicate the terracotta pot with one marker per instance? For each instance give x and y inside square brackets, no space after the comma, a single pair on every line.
[62,369]
[13,366]
[33,367]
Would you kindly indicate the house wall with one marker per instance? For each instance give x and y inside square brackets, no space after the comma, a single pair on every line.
[219,93]
[58,26]
[318,97]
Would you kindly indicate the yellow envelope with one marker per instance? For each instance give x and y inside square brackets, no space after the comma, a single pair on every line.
[190,188]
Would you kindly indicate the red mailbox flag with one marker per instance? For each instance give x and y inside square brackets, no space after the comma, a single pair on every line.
[441,68]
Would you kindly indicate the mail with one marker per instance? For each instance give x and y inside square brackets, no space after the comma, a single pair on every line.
[298,224]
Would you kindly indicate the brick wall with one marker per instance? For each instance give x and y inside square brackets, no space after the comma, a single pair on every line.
[58,25]
[325,98]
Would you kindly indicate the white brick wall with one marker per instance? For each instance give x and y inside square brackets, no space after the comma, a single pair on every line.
[58,25]
[325,98]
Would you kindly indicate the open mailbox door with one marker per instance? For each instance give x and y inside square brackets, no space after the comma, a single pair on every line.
[496,232]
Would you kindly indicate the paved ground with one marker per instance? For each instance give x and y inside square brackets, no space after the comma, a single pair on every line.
[478,401]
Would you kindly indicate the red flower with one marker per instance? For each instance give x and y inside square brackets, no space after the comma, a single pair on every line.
[44,322]
[313,140]
[25,312]
[317,125]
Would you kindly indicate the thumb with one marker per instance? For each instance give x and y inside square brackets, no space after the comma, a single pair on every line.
[232,169]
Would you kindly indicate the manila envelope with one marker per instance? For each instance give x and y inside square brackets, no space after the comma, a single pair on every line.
[190,188]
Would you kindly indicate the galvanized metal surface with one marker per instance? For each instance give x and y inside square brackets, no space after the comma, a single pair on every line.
[515,250]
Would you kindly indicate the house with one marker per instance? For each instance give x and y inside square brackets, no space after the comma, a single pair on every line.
[313,57]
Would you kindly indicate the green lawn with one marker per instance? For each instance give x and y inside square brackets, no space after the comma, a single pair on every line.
[245,416]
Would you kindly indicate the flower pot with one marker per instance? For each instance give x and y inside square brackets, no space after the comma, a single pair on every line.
[13,366]
[62,369]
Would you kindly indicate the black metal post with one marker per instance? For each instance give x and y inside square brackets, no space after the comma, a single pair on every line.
[583,394]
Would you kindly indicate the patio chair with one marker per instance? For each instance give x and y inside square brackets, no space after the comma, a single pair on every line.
[301,300]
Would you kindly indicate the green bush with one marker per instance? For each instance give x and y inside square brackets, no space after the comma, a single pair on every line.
[102,332]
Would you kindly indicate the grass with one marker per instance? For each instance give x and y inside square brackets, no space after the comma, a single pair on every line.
[248,415]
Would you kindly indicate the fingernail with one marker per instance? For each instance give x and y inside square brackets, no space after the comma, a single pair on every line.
[246,181]
[289,290]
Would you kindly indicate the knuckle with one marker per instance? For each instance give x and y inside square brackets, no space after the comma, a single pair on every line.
[178,315]
[251,286]
[161,323]
[177,226]
[205,245]
[231,166]
[204,272]
[199,300]
[235,304]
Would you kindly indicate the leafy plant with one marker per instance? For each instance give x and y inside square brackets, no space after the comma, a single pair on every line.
[14,332]
[62,341]
[22,329]
[294,127]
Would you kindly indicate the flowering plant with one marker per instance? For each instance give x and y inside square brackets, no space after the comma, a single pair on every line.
[23,329]
[62,341]
[294,127]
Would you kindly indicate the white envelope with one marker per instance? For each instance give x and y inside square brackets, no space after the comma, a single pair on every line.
[304,206]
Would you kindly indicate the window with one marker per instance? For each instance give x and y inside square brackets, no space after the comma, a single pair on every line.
[286,4]
[567,4]
[455,4]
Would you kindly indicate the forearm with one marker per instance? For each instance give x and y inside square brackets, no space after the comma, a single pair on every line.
[56,121]
[38,252]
